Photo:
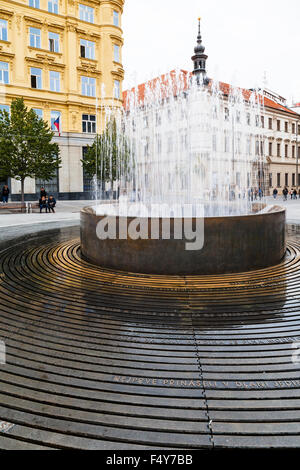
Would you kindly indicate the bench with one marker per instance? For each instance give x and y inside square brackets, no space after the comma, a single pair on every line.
[15,206]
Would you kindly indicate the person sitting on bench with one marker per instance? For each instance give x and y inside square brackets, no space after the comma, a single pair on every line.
[43,204]
[51,203]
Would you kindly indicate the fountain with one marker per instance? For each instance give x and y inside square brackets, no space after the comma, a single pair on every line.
[191,163]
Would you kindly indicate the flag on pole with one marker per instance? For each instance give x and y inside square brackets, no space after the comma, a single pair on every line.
[57,125]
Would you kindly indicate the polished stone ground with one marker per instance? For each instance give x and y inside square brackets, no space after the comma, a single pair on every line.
[98,359]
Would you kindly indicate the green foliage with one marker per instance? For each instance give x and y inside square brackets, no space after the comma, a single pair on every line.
[108,157]
[26,147]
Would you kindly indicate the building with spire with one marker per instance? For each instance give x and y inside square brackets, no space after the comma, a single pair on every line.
[200,58]
[275,136]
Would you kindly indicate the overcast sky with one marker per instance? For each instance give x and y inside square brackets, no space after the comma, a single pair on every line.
[243,39]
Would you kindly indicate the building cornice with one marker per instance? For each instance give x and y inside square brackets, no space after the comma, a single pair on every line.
[6,13]
[114,37]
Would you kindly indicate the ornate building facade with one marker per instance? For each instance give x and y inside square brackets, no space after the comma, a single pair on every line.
[65,58]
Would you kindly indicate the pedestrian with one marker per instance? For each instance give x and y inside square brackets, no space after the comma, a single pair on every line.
[51,203]
[5,194]
[43,204]
[285,193]
[295,193]
[43,193]
[260,193]
[255,194]
[275,193]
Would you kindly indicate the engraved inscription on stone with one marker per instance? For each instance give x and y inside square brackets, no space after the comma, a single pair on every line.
[206,384]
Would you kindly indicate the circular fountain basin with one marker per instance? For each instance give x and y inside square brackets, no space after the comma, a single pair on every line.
[231,244]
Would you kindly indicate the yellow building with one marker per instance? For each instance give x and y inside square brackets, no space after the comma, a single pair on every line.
[62,56]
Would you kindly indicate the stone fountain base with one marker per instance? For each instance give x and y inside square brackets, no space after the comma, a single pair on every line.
[232,244]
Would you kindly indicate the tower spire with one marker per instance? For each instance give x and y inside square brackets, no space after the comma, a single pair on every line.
[200,58]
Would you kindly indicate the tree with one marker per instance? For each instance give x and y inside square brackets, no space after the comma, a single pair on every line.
[26,147]
[108,158]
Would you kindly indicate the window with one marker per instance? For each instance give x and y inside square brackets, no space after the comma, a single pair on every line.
[117,93]
[35,37]
[53,6]
[294,128]
[145,121]
[248,146]
[262,122]
[278,125]
[4,73]
[286,126]
[170,144]
[116,53]
[89,123]
[278,180]
[36,78]
[293,151]
[88,86]
[158,144]
[294,179]
[270,180]
[257,147]
[158,119]
[34,3]
[257,120]
[54,81]
[87,49]
[3,30]
[38,112]
[286,179]
[214,143]
[54,116]
[226,143]
[270,123]
[53,42]
[286,151]
[270,149]
[50,185]
[116,18]
[226,111]
[146,149]
[86,13]
[278,150]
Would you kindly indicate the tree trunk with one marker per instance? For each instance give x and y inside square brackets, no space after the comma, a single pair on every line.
[22,190]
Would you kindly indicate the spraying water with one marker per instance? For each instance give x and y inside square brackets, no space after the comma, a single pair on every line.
[190,143]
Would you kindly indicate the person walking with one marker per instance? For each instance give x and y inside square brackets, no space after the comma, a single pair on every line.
[260,193]
[295,193]
[51,203]
[5,194]
[285,193]
[43,193]
[275,193]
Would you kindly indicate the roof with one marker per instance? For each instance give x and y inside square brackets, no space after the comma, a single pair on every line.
[179,81]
